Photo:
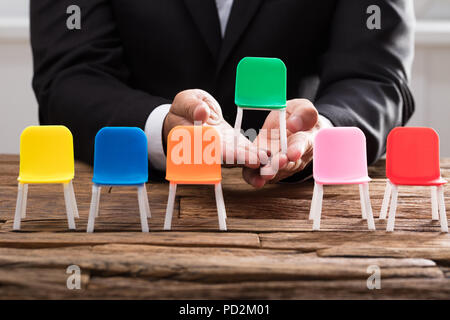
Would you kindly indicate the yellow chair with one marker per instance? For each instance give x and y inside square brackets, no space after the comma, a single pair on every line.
[46,156]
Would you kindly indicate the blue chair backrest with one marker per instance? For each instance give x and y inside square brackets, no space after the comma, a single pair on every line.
[120,156]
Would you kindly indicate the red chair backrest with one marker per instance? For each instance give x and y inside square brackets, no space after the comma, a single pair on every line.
[412,155]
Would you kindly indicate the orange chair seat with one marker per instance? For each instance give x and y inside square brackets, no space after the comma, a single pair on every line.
[177,180]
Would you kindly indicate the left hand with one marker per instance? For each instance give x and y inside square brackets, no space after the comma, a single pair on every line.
[302,123]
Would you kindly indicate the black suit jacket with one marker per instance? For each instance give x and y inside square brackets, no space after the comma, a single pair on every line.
[132,55]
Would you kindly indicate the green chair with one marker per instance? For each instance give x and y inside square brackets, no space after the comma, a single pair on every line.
[261,85]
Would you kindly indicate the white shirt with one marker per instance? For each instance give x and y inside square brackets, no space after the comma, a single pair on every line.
[224,9]
[155,121]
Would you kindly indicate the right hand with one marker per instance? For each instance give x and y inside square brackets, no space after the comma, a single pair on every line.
[199,106]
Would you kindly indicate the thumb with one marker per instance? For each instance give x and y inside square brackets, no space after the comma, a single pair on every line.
[200,112]
[303,115]
[190,106]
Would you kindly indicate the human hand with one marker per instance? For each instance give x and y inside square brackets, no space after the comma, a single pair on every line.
[198,106]
[302,123]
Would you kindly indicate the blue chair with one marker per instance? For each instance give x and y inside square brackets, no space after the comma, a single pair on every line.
[120,159]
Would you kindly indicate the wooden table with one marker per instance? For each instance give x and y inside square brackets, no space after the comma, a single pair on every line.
[268,252]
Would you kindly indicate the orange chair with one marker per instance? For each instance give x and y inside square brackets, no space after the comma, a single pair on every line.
[194,157]
[412,158]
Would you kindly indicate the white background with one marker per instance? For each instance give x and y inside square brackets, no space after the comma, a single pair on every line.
[13,8]
[430,82]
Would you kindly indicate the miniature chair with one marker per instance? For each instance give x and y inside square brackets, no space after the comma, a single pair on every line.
[46,156]
[340,158]
[120,159]
[194,157]
[412,158]
[261,85]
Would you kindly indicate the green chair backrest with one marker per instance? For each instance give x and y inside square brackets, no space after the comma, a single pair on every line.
[261,83]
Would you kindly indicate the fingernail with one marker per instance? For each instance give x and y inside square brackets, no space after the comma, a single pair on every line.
[263,157]
[296,122]
[267,171]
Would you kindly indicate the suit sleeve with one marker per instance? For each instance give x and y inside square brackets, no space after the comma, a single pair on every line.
[364,73]
[80,78]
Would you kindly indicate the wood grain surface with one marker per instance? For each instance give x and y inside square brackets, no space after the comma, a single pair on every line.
[269,251]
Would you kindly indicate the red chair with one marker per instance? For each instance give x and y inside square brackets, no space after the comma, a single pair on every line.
[412,159]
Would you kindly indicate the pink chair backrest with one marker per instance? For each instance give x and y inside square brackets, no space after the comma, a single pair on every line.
[340,155]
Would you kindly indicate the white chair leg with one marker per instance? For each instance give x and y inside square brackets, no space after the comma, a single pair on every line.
[93,211]
[69,208]
[237,131]
[98,194]
[147,204]
[317,214]
[170,204]
[434,203]
[393,209]
[283,135]
[362,199]
[24,201]
[370,221]
[222,201]
[19,204]
[220,207]
[143,207]
[386,198]
[73,200]
[442,213]
[312,209]
[238,121]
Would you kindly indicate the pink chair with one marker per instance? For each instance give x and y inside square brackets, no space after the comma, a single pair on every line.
[340,158]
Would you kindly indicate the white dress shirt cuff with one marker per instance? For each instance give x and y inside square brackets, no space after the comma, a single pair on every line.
[153,130]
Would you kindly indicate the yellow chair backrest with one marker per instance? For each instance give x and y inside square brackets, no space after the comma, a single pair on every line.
[46,155]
